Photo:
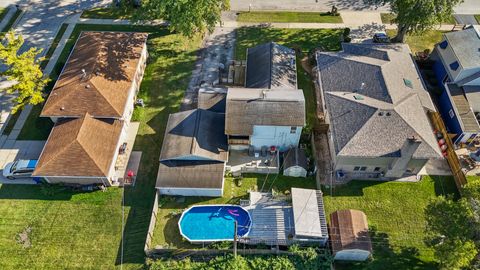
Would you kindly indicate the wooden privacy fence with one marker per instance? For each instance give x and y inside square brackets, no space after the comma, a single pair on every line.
[451,157]
[151,226]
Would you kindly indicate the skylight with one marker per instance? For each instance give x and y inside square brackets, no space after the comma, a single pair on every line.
[357,97]
[408,83]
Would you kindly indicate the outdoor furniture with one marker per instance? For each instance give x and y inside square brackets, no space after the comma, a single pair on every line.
[123,148]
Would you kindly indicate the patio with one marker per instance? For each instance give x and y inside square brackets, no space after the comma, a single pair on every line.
[241,162]
[128,160]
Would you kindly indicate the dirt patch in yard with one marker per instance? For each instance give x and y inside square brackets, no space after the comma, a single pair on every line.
[23,238]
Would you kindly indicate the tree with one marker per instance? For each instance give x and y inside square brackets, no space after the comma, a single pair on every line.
[24,69]
[451,231]
[185,16]
[454,254]
[418,15]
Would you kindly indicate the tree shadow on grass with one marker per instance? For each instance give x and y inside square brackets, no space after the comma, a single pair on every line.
[386,257]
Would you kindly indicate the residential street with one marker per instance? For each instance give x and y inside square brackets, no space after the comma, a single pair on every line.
[467,7]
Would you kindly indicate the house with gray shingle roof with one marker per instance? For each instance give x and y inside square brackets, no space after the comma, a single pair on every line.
[270,109]
[457,69]
[375,104]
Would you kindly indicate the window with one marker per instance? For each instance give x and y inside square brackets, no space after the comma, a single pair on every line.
[451,113]
[443,44]
[363,169]
[408,83]
[377,169]
[454,65]
[293,130]
[356,168]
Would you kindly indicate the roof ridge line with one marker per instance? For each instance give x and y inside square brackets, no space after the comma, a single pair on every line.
[195,130]
[81,144]
[408,124]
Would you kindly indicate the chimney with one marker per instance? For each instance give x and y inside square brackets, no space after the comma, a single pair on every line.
[399,166]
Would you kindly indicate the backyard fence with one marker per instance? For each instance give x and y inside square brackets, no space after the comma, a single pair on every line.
[151,226]
[208,253]
[451,157]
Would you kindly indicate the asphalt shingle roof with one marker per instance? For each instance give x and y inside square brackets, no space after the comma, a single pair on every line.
[375,118]
[197,133]
[271,66]
[249,107]
[98,76]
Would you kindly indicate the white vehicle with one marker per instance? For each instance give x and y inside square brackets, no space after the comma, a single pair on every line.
[21,168]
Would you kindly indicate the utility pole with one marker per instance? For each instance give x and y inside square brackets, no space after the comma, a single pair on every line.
[235,239]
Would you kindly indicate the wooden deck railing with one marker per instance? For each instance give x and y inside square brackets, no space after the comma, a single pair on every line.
[451,157]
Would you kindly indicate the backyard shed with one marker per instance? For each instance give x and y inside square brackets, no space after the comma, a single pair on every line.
[349,235]
[295,163]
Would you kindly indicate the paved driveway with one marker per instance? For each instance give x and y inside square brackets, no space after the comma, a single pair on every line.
[19,150]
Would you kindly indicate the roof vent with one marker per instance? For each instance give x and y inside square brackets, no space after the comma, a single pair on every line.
[362,86]
[380,113]
[62,108]
[87,86]
[84,74]
[264,94]
[388,114]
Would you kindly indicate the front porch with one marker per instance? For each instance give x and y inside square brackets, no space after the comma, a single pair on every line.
[239,161]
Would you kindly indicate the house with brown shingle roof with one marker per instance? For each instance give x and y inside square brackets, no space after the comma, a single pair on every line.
[101,77]
[81,150]
[91,104]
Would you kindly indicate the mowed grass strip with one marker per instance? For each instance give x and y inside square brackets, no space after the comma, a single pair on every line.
[87,226]
[395,213]
[286,17]
[421,41]
[167,234]
[109,13]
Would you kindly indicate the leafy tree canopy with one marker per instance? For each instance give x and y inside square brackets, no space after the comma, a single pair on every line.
[418,15]
[24,69]
[185,16]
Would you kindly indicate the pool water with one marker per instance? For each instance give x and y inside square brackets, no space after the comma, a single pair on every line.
[214,223]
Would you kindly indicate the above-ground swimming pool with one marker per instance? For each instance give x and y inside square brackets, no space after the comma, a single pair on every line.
[208,223]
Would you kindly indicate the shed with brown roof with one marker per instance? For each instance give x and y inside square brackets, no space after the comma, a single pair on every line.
[101,76]
[80,150]
[348,230]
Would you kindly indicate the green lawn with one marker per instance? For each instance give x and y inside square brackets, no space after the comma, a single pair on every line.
[97,245]
[87,225]
[395,213]
[300,39]
[420,42]
[109,13]
[477,17]
[388,17]
[285,16]
[166,231]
